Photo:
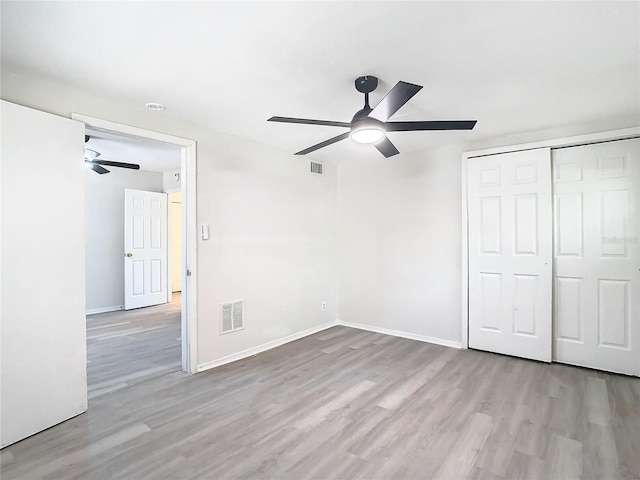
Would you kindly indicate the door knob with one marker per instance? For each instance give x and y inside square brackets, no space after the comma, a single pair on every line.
[129,254]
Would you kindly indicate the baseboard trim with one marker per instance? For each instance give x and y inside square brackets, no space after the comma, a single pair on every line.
[398,333]
[93,311]
[250,352]
[264,347]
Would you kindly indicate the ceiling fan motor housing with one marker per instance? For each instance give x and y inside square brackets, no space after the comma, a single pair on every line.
[362,115]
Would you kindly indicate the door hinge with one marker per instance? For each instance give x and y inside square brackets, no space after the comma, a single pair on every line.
[188,273]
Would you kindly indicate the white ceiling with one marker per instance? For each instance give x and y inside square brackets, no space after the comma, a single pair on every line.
[514,66]
[151,156]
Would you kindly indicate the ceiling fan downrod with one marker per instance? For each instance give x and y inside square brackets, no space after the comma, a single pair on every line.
[366,84]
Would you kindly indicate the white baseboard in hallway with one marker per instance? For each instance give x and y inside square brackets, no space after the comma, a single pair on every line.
[401,334]
[93,311]
[264,347]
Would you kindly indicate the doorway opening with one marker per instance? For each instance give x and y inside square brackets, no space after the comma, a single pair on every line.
[160,337]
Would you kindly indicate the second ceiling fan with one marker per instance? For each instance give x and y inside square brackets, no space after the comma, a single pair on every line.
[370,125]
[91,160]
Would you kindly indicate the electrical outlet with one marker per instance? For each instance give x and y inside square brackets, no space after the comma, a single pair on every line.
[323,306]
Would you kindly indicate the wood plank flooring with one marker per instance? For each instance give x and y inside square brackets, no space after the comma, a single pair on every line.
[129,347]
[350,404]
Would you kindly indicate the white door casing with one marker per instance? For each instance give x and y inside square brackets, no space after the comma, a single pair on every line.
[43,341]
[596,285]
[510,253]
[175,220]
[146,249]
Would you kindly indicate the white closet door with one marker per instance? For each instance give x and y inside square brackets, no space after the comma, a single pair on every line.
[510,253]
[597,292]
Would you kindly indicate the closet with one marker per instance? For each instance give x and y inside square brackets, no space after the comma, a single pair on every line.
[554,254]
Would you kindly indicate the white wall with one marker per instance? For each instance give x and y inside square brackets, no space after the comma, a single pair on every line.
[272,243]
[273,224]
[171,181]
[399,243]
[104,226]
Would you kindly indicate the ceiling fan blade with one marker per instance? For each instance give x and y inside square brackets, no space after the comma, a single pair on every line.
[307,121]
[109,163]
[431,125]
[98,168]
[324,144]
[386,148]
[396,98]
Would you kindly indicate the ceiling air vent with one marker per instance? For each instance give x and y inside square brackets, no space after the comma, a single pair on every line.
[232,318]
[316,168]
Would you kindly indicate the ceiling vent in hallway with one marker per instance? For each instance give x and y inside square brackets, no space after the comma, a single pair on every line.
[232,318]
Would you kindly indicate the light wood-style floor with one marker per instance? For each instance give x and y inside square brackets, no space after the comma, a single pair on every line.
[348,404]
[129,347]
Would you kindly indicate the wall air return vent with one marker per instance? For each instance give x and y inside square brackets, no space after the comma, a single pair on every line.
[232,317]
[317,168]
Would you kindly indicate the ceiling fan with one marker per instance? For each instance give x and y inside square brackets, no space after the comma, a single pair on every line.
[370,125]
[90,159]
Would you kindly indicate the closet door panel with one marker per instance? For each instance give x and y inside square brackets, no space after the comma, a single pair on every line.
[597,291]
[510,253]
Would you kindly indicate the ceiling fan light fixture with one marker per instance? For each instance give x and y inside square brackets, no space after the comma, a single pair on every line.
[367,135]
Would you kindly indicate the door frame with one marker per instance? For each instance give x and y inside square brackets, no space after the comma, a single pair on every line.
[607,136]
[188,163]
[170,241]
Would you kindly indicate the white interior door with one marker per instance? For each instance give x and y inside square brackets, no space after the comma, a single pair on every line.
[597,292]
[43,341]
[510,253]
[146,250]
